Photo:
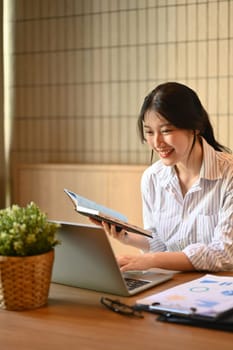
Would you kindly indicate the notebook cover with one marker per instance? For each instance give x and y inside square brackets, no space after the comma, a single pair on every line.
[224,323]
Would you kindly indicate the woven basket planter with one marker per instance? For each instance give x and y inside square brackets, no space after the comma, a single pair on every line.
[25,281]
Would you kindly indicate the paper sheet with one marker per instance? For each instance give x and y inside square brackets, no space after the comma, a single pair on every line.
[209,296]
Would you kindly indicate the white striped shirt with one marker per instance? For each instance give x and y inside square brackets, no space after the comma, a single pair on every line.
[201,223]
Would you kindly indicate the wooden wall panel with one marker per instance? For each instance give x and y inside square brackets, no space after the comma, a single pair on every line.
[115,186]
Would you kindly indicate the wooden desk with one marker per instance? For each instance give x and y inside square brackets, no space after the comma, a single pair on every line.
[75,319]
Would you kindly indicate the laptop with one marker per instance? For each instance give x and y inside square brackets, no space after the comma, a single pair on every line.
[85,259]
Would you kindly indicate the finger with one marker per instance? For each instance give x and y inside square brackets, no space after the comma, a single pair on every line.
[123,260]
[123,236]
[95,222]
[113,231]
[106,227]
[127,266]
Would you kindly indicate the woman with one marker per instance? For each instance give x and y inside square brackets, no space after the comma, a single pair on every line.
[188,194]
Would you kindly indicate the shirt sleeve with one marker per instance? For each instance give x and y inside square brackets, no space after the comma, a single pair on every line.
[148,193]
[218,254]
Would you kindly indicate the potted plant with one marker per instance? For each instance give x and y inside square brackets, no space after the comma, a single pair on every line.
[27,241]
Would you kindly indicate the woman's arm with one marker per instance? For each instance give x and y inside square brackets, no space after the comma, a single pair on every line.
[164,260]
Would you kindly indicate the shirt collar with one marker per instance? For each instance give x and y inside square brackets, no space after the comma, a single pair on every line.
[209,169]
[167,175]
[210,166]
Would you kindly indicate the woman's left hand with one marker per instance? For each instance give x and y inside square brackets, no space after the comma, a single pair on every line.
[163,260]
[138,262]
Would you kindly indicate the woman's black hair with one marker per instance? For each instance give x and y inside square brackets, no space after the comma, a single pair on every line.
[181,106]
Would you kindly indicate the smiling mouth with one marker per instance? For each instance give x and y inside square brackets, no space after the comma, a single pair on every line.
[165,153]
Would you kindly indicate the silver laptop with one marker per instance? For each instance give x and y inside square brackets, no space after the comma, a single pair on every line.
[85,259]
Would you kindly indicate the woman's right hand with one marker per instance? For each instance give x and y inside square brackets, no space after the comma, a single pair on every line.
[129,238]
[123,236]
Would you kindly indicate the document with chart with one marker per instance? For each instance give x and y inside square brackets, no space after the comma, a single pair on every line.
[210,296]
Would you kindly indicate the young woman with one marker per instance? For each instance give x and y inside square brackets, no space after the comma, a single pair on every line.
[188,194]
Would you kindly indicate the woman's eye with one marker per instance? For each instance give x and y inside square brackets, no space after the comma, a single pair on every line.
[148,132]
[166,131]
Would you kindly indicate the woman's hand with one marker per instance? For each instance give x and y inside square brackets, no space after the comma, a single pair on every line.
[121,236]
[124,237]
[138,262]
[164,260]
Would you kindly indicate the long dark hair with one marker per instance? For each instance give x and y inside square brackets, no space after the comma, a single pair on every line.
[181,106]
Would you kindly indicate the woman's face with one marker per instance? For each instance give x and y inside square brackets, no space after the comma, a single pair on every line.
[173,145]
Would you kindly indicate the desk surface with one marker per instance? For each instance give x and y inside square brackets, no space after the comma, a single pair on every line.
[75,319]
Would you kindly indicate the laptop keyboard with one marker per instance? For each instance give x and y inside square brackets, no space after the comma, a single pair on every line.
[133,283]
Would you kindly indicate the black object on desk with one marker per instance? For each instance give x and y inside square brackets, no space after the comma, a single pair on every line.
[223,323]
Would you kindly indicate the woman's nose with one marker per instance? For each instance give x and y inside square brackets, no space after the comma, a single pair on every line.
[157,140]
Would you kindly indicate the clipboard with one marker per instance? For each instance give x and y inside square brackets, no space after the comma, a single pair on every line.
[204,302]
[223,323]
